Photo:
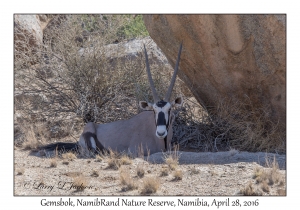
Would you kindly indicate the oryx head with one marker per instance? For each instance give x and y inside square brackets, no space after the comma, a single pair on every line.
[162,108]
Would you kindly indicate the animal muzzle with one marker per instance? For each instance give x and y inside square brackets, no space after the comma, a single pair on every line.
[161,131]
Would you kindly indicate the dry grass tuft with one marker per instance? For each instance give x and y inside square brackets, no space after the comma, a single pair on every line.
[80,182]
[177,175]
[31,142]
[270,176]
[250,190]
[140,171]
[164,172]
[150,185]
[30,136]
[69,156]
[125,160]
[258,171]
[274,175]
[213,173]
[95,173]
[53,162]
[172,160]
[195,171]
[115,161]
[126,180]
[98,158]
[20,171]
[212,170]
[173,164]
[265,187]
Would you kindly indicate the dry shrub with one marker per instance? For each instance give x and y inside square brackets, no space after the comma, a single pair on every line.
[229,124]
[150,185]
[126,180]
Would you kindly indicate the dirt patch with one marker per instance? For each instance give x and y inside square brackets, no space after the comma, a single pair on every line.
[221,173]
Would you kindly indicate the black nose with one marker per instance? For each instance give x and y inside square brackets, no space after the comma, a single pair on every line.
[161,134]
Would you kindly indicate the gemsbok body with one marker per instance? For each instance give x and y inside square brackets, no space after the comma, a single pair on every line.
[147,132]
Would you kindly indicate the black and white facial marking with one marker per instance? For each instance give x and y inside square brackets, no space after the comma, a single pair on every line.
[162,112]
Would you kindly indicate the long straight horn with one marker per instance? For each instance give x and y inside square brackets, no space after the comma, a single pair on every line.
[168,94]
[154,93]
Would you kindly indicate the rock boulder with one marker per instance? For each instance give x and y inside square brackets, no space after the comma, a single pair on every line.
[28,35]
[239,57]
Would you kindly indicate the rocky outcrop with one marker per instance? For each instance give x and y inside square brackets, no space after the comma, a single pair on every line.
[31,32]
[240,57]
[135,48]
[29,27]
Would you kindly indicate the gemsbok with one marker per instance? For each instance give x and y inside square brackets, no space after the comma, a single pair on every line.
[147,132]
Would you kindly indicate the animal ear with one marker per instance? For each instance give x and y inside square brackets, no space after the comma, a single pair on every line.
[145,105]
[177,102]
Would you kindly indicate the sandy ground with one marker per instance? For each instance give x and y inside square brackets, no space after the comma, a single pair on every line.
[221,173]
